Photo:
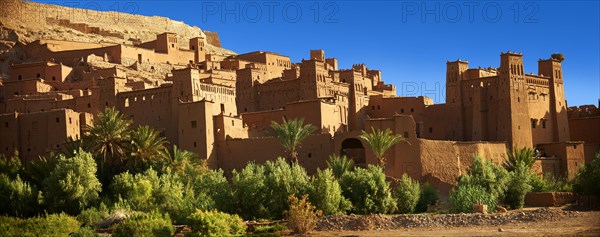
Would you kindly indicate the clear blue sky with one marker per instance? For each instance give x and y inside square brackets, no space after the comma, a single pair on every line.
[409,41]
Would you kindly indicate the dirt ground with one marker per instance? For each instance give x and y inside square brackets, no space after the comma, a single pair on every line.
[584,224]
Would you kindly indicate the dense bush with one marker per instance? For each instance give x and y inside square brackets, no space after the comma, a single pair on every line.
[549,183]
[463,198]
[538,183]
[407,194]
[152,224]
[212,191]
[326,193]
[215,223]
[50,225]
[484,181]
[281,181]
[368,191]
[85,232]
[93,215]
[518,186]
[261,191]
[427,197]
[148,191]
[340,165]
[72,185]
[588,178]
[249,192]
[486,174]
[10,166]
[17,198]
[302,216]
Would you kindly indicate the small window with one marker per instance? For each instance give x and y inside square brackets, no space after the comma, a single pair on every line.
[20,77]
[544,123]
[405,134]
[57,120]
[402,111]
[6,124]
[172,45]
[378,107]
[430,129]
[373,107]
[232,122]
[38,75]
[89,105]
[533,123]
[194,144]
[193,47]
[194,124]
[309,155]
[54,78]
[412,110]
[70,121]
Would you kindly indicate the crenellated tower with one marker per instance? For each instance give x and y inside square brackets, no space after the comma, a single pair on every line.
[552,68]
[513,110]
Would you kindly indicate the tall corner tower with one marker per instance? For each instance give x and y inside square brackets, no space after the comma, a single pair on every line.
[514,123]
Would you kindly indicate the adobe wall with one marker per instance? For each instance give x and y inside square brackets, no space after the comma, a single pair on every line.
[382,107]
[322,115]
[585,129]
[548,166]
[45,70]
[194,127]
[152,107]
[33,134]
[312,154]
[570,153]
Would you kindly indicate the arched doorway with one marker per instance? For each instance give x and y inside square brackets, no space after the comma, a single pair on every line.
[354,149]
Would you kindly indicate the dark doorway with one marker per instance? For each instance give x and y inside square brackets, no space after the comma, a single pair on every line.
[354,149]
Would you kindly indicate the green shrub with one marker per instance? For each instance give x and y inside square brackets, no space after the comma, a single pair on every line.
[588,178]
[50,225]
[269,229]
[368,191]
[486,174]
[152,224]
[261,191]
[249,192]
[340,165]
[85,232]
[17,198]
[463,198]
[427,197]
[215,223]
[281,181]
[73,185]
[212,190]
[148,191]
[518,186]
[538,183]
[407,194]
[10,166]
[92,215]
[326,193]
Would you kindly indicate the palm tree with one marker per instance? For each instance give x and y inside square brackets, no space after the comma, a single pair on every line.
[108,137]
[147,149]
[187,162]
[291,133]
[380,142]
[516,156]
[340,165]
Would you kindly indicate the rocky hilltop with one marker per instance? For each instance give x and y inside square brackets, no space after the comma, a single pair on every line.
[22,21]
